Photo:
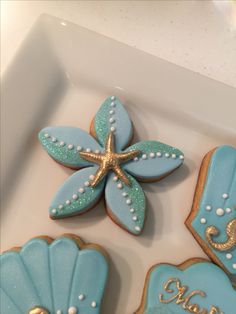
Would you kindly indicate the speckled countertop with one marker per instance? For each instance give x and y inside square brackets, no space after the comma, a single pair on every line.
[198,35]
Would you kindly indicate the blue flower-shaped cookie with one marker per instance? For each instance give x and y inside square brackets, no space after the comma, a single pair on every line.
[64,276]
[195,286]
[107,164]
[213,216]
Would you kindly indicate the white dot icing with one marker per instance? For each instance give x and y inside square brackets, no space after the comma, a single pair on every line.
[135,158]
[132,210]
[144,156]
[111,112]
[72,310]
[229,255]
[67,202]
[60,206]
[115,178]
[79,148]
[113,104]
[81,297]
[81,190]
[70,146]
[113,97]
[111,120]
[119,185]
[74,196]
[86,183]
[62,143]
[54,139]
[137,228]
[91,177]
[167,155]
[54,211]
[225,195]
[234,266]
[128,201]
[203,220]
[97,151]
[158,154]
[152,155]
[228,210]
[173,156]
[135,218]
[208,207]
[93,304]
[220,212]
[112,129]
[181,157]
[46,135]
[88,150]
[124,194]
[58,312]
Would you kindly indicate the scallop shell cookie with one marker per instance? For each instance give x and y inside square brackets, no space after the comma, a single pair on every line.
[195,286]
[46,276]
[105,162]
[212,220]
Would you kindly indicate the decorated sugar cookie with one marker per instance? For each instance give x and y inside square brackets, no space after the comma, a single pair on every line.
[212,220]
[105,162]
[64,276]
[196,286]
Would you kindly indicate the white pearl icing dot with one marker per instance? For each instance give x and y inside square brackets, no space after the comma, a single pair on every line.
[135,218]
[152,155]
[158,154]
[62,143]
[93,304]
[91,177]
[220,212]
[208,207]
[81,297]
[203,220]
[128,201]
[173,156]
[111,112]
[74,196]
[228,210]
[119,185]
[54,211]
[72,310]
[58,312]
[68,202]
[137,228]
[135,158]
[111,120]
[229,255]
[88,150]
[115,178]
[144,156]
[167,155]
[112,129]
[181,157]
[132,210]
[70,146]
[81,190]
[234,266]
[60,206]
[97,151]
[113,97]
[86,183]
[54,139]
[79,148]
[46,135]
[225,195]
[124,194]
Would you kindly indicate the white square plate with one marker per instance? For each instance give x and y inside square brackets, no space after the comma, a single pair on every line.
[60,76]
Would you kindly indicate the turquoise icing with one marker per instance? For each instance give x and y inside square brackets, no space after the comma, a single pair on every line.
[161,309]
[52,276]
[69,136]
[221,178]
[203,276]
[154,166]
[111,116]
[117,205]
[122,123]
[70,189]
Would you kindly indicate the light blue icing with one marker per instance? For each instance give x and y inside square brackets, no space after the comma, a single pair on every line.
[117,205]
[111,117]
[122,124]
[70,188]
[154,166]
[52,276]
[65,136]
[221,179]
[203,276]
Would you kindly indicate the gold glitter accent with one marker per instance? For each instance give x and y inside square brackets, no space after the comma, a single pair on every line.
[183,298]
[109,160]
[231,236]
[38,310]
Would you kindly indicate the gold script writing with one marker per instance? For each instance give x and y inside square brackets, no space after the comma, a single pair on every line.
[181,296]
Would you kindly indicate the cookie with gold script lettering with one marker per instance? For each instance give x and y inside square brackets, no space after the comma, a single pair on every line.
[196,286]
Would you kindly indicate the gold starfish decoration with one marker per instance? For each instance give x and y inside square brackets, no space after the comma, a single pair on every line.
[109,160]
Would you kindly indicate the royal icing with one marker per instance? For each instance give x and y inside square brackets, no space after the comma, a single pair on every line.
[200,288]
[215,220]
[59,278]
[108,165]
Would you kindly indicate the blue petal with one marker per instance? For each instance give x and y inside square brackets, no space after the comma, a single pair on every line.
[64,144]
[154,161]
[113,116]
[126,204]
[74,197]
